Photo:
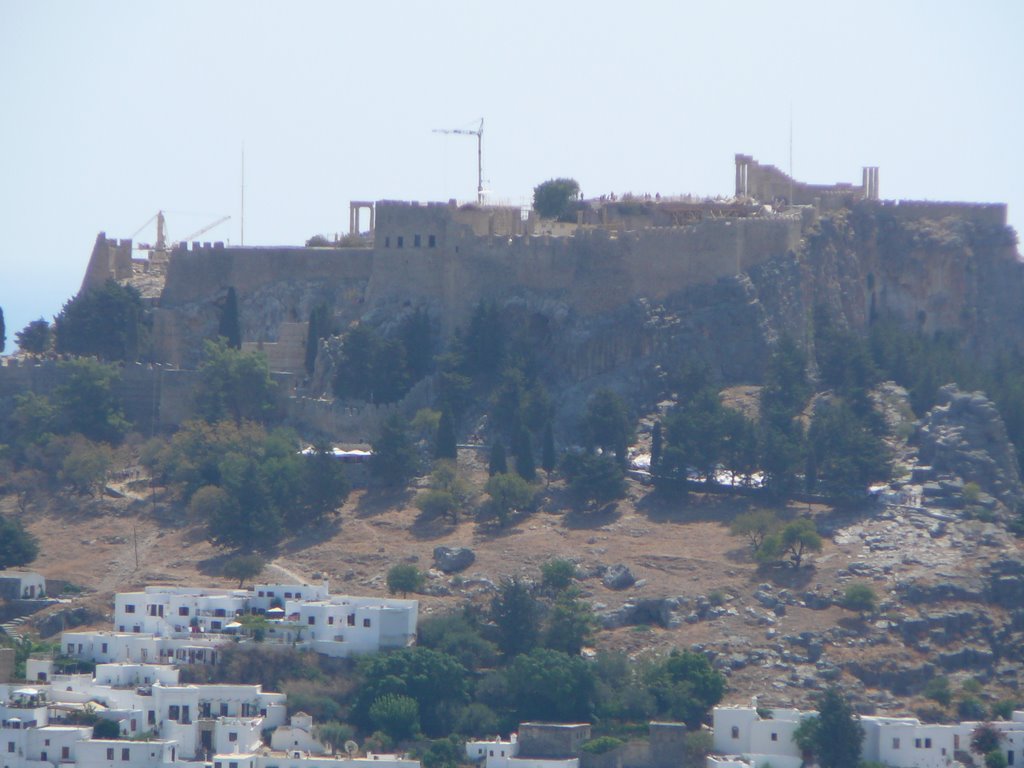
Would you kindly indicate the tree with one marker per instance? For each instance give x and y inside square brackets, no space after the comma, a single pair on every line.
[434,680]
[844,454]
[333,734]
[606,424]
[557,574]
[656,445]
[435,503]
[104,321]
[525,466]
[394,460]
[514,612]
[398,716]
[445,446]
[755,526]
[547,685]
[449,752]
[34,338]
[404,578]
[87,403]
[556,198]
[243,568]
[230,328]
[17,546]
[593,479]
[497,463]
[859,597]
[324,486]
[839,732]
[508,493]
[3,331]
[937,689]
[686,687]
[319,327]
[234,385]
[985,738]
[805,736]
[85,467]
[798,538]
[570,625]
[106,729]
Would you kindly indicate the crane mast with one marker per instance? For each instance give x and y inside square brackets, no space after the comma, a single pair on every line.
[479,133]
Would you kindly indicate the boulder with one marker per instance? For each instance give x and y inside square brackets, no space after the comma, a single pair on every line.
[618,576]
[453,560]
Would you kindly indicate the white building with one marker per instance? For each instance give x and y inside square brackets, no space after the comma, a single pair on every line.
[22,585]
[169,625]
[742,739]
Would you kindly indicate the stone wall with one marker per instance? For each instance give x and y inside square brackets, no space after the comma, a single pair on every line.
[767,183]
[6,665]
[987,214]
[111,259]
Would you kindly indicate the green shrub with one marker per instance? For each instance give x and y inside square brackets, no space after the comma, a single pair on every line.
[601,745]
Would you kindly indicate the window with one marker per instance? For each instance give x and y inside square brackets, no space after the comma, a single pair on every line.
[896,742]
[416,241]
[261,595]
[431,241]
[223,709]
[232,765]
[943,751]
[401,241]
[110,753]
[183,610]
[129,609]
[215,625]
[71,648]
[735,731]
[103,648]
[956,741]
[775,737]
[927,743]
[151,717]
[311,620]
[917,743]
[351,619]
[492,753]
[1009,757]
[125,753]
[220,612]
[298,595]
[42,756]
[366,622]
[10,746]
[232,736]
[65,753]
[387,242]
[287,594]
[173,712]
[330,619]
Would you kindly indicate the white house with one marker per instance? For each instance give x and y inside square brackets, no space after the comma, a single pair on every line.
[742,739]
[22,585]
[297,736]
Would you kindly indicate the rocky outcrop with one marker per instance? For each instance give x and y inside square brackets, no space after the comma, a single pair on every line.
[965,435]
[453,560]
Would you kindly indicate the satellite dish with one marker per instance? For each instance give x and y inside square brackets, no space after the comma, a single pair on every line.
[352,748]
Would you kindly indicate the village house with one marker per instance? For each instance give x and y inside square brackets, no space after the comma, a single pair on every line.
[745,739]
[22,585]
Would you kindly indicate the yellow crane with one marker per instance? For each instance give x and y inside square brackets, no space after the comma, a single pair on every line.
[479,133]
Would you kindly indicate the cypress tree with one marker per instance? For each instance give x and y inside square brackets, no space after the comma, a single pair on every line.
[526,467]
[312,340]
[445,447]
[3,331]
[230,328]
[498,464]
[548,457]
[655,446]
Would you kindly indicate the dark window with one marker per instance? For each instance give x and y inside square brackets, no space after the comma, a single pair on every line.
[65,753]
[401,241]
[42,756]
[775,737]
[220,612]
[287,594]
[10,746]
[927,743]
[351,619]
[735,731]
[125,753]
[183,610]
[311,620]
[896,743]
[232,736]
[298,595]
[416,241]
[1009,757]
[110,753]
[431,241]
[103,648]
[215,625]
[223,709]
[917,743]
[151,717]
[129,609]
[387,242]
[366,622]
[173,712]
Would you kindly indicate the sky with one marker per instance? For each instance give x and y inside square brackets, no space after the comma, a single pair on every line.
[110,111]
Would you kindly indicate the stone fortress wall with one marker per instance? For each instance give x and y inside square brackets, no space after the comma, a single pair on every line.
[446,258]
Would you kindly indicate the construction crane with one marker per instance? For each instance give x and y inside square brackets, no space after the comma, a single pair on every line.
[161,232]
[205,229]
[479,133]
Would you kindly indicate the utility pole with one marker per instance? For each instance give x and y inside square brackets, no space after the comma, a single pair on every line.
[242,225]
[479,133]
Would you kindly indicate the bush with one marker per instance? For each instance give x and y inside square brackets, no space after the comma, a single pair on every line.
[404,578]
[859,597]
[938,690]
[971,708]
[398,716]
[601,745]
[557,574]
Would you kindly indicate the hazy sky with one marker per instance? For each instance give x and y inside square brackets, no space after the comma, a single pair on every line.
[110,111]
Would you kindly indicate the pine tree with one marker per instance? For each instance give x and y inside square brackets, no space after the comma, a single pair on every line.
[840,733]
[229,327]
[445,447]
[498,464]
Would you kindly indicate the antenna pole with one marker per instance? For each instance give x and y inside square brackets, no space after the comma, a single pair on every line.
[242,225]
[480,164]
[791,154]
